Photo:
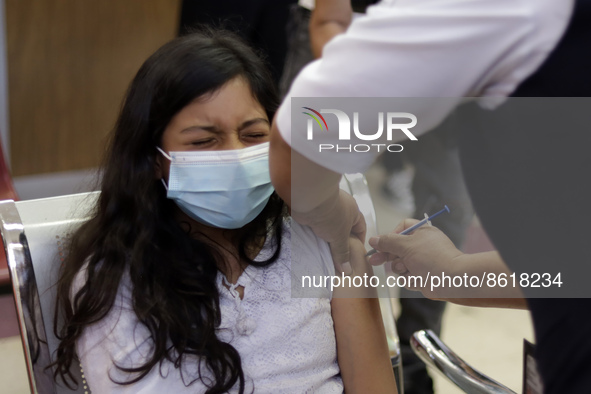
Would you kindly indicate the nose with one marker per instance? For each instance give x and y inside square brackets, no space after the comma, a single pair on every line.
[233,142]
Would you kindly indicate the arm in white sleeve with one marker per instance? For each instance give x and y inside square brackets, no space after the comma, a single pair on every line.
[429,48]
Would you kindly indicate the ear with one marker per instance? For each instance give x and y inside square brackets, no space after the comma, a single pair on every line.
[158,167]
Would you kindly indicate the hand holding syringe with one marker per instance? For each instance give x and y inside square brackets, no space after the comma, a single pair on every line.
[413,228]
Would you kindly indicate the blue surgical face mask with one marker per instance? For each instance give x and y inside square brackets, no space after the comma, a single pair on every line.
[225,189]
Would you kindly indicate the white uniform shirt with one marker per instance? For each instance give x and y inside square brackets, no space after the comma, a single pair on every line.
[430,48]
[286,345]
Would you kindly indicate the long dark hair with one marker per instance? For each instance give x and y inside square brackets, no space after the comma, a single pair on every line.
[134,229]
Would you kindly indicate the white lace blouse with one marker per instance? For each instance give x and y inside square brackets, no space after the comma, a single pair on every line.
[286,345]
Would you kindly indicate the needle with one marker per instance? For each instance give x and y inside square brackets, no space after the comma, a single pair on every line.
[413,228]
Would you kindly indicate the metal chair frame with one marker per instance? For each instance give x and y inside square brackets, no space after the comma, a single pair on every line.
[33,233]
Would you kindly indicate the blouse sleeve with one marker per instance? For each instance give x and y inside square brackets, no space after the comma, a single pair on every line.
[311,263]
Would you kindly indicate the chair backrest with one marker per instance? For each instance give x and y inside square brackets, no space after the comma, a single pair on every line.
[356,185]
[33,233]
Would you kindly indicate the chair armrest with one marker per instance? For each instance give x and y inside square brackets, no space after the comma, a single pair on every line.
[436,354]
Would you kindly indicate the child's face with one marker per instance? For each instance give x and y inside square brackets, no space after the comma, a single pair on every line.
[229,119]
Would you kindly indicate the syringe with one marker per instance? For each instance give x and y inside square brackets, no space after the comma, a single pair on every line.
[419,224]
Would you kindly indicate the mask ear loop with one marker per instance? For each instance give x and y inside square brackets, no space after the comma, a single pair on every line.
[164,153]
[169,158]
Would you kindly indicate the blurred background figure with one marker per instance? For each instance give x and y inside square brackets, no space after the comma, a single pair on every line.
[396,187]
[260,22]
[421,179]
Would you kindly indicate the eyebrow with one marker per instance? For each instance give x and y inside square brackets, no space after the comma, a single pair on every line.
[215,129]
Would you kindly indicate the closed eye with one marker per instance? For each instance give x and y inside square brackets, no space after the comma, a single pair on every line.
[256,135]
[202,142]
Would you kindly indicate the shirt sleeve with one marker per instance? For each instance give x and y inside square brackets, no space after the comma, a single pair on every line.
[310,258]
[429,48]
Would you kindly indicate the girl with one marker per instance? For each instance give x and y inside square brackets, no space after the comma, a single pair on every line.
[181,281]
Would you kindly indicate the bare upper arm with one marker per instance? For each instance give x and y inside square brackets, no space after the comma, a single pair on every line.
[362,347]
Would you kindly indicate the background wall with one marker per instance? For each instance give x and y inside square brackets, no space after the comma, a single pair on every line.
[69,64]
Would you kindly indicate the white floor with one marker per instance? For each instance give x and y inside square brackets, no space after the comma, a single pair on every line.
[13,373]
[489,339]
